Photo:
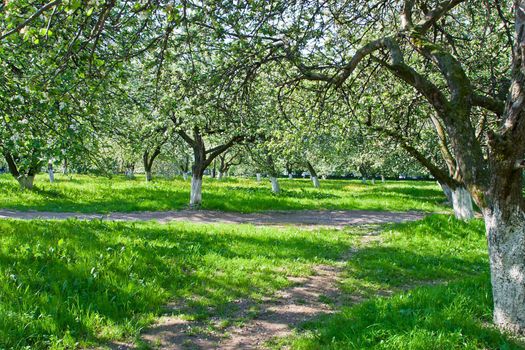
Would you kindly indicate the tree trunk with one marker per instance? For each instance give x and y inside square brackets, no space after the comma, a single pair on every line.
[373,181]
[462,203]
[64,167]
[363,180]
[506,238]
[196,190]
[51,172]
[313,174]
[290,176]
[149,176]
[26,181]
[382,179]
[220,175]
[130,171]
[185,175]
[258,175]
[275,184]
[51,175]
[447,191]
[214,170]
[148,162]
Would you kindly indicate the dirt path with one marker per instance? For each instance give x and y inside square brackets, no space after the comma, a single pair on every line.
[334,218]
[277,317]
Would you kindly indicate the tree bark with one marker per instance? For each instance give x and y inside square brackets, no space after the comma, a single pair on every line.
[462,203]
[447,191]
[148,162]
[185,175]
[198,167]
[506,238]
[51,173]
[220,175]
[258,176]
[196,190]
[313,174]
[275,184]
[26,181]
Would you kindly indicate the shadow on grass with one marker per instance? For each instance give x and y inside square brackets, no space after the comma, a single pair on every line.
[90,194]
[71,281]
[437,248]
[453,316]
[452,308]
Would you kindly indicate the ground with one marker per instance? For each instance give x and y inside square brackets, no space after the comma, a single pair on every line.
[89,194]
[116,284]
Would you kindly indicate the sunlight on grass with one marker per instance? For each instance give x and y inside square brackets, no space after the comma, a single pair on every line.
[82,193]
[451,308]
[89,282]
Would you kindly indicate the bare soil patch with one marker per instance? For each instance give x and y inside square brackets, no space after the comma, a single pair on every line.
[330,218]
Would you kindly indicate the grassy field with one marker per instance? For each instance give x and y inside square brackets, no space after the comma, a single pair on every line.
[73,284]
[70,284]
[434,283]
[101,195]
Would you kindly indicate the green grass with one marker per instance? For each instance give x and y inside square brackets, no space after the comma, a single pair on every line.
[438,271]
[81,193]
[73,283]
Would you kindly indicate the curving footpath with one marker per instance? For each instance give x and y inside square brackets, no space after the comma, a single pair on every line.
[333,218]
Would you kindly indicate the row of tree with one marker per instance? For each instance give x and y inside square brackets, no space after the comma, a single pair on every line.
[441,79]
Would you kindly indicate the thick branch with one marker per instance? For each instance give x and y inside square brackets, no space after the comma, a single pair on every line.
[214,152]
[489,103]
[13,169]
[436,14]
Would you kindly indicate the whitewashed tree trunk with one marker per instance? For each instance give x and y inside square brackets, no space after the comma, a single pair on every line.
[315,181]
[258,175]
[363,180]
[373,181]
[196,191]
[323,177]
[447,191]
[506,238]
[290,176]
[149,176]
[185,175]
[219,175]
[275,185]
[51,175]
[462,203]
[382,178]
[26,182]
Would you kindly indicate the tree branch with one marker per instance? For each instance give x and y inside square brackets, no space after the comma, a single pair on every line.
[30,18]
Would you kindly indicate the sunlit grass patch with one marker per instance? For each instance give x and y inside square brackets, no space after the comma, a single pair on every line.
[82,193]
[436,273]
[77,282]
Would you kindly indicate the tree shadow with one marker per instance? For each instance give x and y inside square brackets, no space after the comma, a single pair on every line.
[454,315]
[84,280]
